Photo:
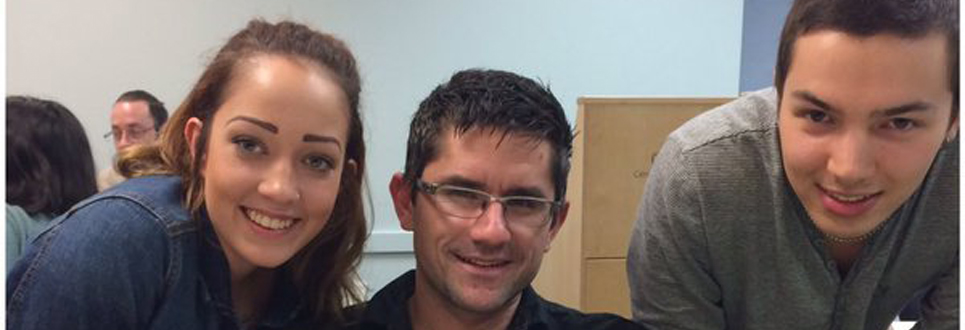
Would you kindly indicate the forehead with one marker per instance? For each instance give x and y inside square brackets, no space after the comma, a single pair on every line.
[877,71]
[131,111]
[493,156]
[286,91]
[279,73]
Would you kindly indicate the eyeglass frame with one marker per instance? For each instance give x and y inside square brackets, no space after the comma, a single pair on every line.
[431,189]
[136,133]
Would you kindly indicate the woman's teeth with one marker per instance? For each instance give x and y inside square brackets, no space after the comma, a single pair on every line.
[269,222]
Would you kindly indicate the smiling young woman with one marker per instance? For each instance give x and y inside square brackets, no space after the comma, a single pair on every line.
[247,213]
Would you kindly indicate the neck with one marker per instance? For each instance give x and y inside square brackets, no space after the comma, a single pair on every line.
[250,289]
[845,255]
[429,311]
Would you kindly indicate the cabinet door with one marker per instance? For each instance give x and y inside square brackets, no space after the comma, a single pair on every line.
[621,141]
[606,289]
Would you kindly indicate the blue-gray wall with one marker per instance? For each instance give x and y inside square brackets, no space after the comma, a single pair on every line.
[763,20]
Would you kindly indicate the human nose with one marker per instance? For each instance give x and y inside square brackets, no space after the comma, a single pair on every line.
[279,184]
[852,160]
[124,140]
[491,228]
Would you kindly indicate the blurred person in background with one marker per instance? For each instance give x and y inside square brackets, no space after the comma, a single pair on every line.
[136,118]
[49,168]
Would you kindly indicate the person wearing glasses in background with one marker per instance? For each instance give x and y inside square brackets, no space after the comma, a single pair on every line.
[136,118]
[483,193]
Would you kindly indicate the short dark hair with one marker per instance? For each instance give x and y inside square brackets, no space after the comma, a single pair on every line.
[158,112]
[49,163]
[490,99]
[906,18]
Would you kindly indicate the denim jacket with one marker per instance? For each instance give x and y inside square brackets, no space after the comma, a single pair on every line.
[132,258]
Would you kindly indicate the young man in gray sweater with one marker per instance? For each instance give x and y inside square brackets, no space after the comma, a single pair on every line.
[827,202]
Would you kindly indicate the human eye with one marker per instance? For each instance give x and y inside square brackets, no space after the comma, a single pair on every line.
[460,195]
[248,145]
[815,116]
[141,131]
[526,204]
[902,124]
[318,163]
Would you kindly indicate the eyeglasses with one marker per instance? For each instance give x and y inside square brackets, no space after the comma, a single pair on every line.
[469,204]
[133,133]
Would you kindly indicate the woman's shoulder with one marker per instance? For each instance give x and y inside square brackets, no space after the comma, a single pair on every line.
[158,198]
[110,250]
[140,213]
[139,216]
[136,229]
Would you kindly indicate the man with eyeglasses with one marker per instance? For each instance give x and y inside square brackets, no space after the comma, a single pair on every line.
[136,118]
[483,193]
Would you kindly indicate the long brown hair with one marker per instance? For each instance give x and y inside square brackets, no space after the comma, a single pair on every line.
[326,268]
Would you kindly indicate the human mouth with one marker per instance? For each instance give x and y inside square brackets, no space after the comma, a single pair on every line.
[484,263]
[848,204]
[850,198]
[269,222]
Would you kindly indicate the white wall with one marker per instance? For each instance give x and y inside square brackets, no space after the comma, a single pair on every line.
[84,53]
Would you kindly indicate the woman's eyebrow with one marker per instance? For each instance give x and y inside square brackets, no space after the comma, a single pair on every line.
[257,122]
[322,138]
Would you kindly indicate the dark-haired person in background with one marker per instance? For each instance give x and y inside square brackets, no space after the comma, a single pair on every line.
[484,194]
[827,203]
[49,168]
[136,118]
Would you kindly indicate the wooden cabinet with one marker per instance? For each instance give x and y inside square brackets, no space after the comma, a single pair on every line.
[615,144]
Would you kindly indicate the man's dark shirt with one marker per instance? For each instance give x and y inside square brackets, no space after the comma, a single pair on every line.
[388,310]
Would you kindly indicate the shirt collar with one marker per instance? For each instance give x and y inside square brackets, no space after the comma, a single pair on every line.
[531,312]
[388,309]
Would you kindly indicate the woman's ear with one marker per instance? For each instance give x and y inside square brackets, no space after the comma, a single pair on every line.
[192,132]
[352,167]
